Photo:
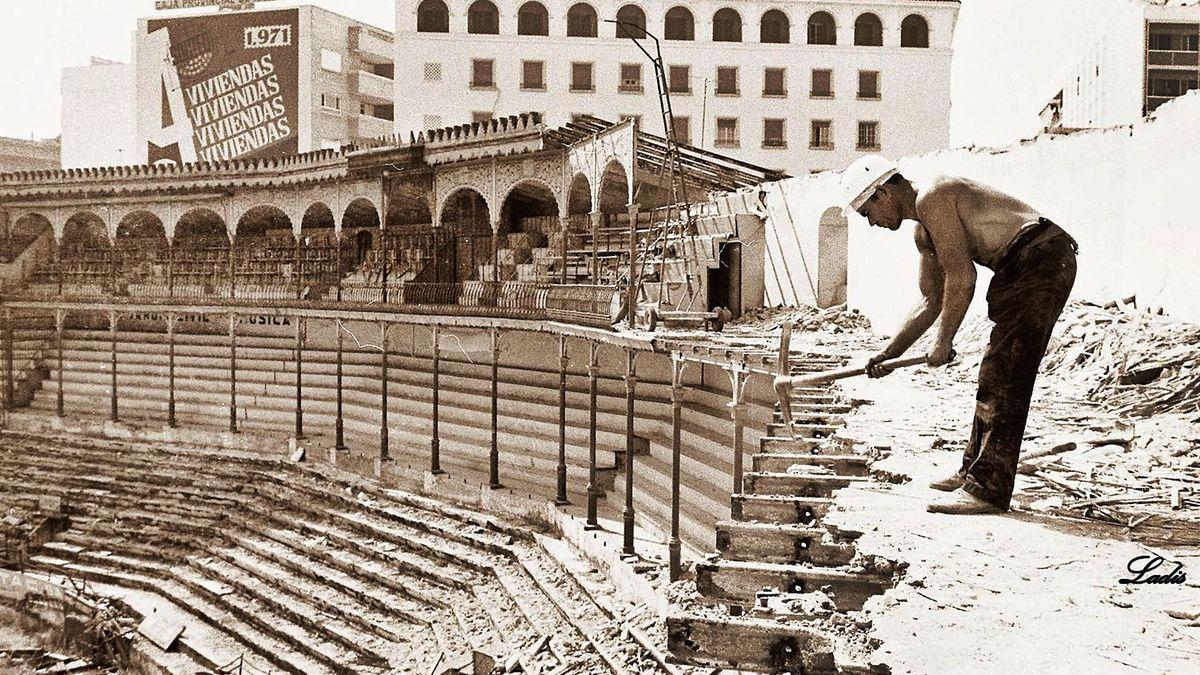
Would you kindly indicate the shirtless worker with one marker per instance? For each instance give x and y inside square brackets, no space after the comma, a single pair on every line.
[961,223]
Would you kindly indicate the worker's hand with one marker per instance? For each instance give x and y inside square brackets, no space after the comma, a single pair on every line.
[940,355]
[875,367]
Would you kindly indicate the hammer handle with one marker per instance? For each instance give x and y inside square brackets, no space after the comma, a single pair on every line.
[843,373]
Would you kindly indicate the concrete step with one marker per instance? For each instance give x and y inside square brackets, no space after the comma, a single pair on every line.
[846,465]
[781,543]
[750,643]
[738,581]
[783,444]
[805,430]
[798,484]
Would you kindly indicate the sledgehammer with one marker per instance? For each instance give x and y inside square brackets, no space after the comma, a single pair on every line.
[785,382]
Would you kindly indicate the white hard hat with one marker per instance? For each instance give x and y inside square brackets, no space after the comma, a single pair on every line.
[860,179]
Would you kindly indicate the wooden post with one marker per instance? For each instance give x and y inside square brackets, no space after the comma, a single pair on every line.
[112,332]
[171,370]
[299,377]
[630,448]
[339,442]
[593,490]
[232,371]
[631,291]
[435,441]
[494,455]
[59,318]
[561,497]
[383,395]
[674,546]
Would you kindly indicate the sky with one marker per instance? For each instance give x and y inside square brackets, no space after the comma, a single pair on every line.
[1009,57]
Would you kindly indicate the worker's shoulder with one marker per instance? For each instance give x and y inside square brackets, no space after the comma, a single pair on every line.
[943,188]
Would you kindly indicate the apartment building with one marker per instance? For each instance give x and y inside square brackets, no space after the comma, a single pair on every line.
[797,86]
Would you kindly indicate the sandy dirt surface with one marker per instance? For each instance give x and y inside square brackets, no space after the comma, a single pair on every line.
[1021,592]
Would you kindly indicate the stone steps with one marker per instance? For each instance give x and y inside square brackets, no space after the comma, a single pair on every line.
[780,543]
[738,581]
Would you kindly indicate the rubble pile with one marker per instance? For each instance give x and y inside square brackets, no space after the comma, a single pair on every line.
[836,319]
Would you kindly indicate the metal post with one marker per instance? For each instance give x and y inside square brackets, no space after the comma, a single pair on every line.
[592,489]
[494,456]
[383,395]
[112,332]
[299,378]
[561,497]
[170,268]
[630,387]
[59,317]
[631,291]
[232,266]
[435,442]
[9,388]
[58,268]
[339,425]
[233,372]
[171,370]
[674,546]
[296,263]
[337,253]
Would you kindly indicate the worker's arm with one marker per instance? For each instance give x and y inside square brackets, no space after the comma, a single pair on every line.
[930,282]
[940,218]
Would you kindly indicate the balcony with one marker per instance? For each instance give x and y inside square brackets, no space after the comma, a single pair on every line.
[373,46]
[371,87]
[367,126]
[1183,59]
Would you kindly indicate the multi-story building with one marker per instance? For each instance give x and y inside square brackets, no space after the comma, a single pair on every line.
[219,85]
[23,154]
[1146,53]
[799,86]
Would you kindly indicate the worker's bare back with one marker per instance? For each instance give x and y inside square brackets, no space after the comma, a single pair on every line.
[989,218]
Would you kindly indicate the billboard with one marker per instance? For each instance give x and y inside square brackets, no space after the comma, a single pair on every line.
[222,86]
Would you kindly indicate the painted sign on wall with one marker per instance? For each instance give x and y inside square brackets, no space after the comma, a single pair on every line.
[228,85]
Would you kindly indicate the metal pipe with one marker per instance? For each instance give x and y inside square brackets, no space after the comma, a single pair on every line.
[561,497]
[383,393]
[494,455]
[299,378]
[435,442]
[630,449]
[171,370]
[339,425]
[593,490]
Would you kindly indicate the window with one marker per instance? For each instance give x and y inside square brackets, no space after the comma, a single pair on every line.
[774,28]
[581,77]
[432,121]
[432,72]
[822,84]
[533,75]
[679,25]
[478,116]
[727,132]
[682,129]
[679,79]
[481,73]
[631,77]
[581,20]
[868,31]
[727,81]
[822,135]
[821,29]
[868,136]
[914,32]
[868,84]
[331,61]
[774,82]
[773,134]
[331,101]
[433,17]
[727,26]
[532,19]
[631,22]
[483,18]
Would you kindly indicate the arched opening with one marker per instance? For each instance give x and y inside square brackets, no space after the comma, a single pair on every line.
[579,197]
[821,29]
[533,19]
[87,260]
[631,22]
[614,189]
[774,28]
[264,250]
[613,204]
[868,31]
[142,254]
[467,219]
[364,242]
[529,213]
[433,17]
[727,26]
[29,229]
[581,20]
[914,31]
[200,251]
[483,18]
[679,24]
[319,249]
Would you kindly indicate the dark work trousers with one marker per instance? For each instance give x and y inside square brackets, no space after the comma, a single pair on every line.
[1025,297]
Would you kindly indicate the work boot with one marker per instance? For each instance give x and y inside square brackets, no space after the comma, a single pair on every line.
[950,483]
[962,503]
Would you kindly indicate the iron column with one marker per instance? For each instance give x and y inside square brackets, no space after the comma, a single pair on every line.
[58,345]
[494,456]
[674,545]
[383,395]
[630,387]
[339,425]
[592,489]
[299,378]
[233,372]
[435,442]
[112,332]
[171,370]
[561,497]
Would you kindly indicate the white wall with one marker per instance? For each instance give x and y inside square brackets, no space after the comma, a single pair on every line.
[98,116]
[1105,87]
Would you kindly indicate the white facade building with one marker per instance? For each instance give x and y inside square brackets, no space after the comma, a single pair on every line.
[1145,53]
[98,115]
[797,86]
